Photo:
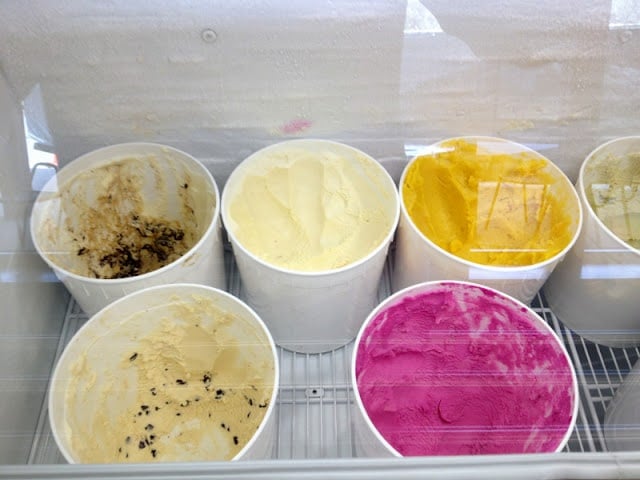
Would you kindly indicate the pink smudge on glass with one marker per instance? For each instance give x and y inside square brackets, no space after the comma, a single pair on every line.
[296,125]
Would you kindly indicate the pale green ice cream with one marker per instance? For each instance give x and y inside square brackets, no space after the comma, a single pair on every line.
[611,186]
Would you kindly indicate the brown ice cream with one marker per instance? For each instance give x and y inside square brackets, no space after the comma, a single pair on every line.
[126,218]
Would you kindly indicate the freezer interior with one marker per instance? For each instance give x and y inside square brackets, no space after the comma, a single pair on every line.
[221,80]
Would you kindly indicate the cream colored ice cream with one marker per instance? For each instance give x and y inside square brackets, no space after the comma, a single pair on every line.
[310,210]
[196,386]
[611,186]
[126,218]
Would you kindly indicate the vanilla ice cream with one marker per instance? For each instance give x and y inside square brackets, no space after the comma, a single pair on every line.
[309,210]
[458,369]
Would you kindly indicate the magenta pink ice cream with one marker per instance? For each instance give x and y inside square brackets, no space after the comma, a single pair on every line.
[452,369]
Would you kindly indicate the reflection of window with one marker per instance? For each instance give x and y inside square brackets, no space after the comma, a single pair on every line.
[624,14]
[420,20]
[43,161]
[517,208]
[591,271]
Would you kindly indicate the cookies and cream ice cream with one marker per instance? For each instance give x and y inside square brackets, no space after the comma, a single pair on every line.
[458,369]
[183,381]
[611,187]
[489,205]
[309,210]
[125,218]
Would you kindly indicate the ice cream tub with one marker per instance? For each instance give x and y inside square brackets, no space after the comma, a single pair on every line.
[594,291]
[310,223]
[457,368]
[622,417]
[485,210]
[126,217]
[179,372]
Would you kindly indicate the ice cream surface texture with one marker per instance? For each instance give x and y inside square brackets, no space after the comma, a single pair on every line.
[611,187]
[459,369]
[126,217]
[310,210]
[483,203]
[196,386]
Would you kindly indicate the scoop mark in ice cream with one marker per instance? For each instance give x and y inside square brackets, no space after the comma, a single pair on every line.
[143,432]
[149,439]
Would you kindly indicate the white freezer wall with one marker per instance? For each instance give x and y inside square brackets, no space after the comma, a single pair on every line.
[223,79]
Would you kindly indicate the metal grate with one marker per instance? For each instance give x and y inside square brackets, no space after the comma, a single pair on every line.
[315,401]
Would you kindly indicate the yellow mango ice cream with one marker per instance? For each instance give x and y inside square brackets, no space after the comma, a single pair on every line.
[611,186]
[311,210]
[489,205]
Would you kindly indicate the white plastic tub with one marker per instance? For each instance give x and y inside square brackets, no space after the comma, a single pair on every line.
[178,372]
[594,291]
[419,258]
[119,203]
[315,309]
